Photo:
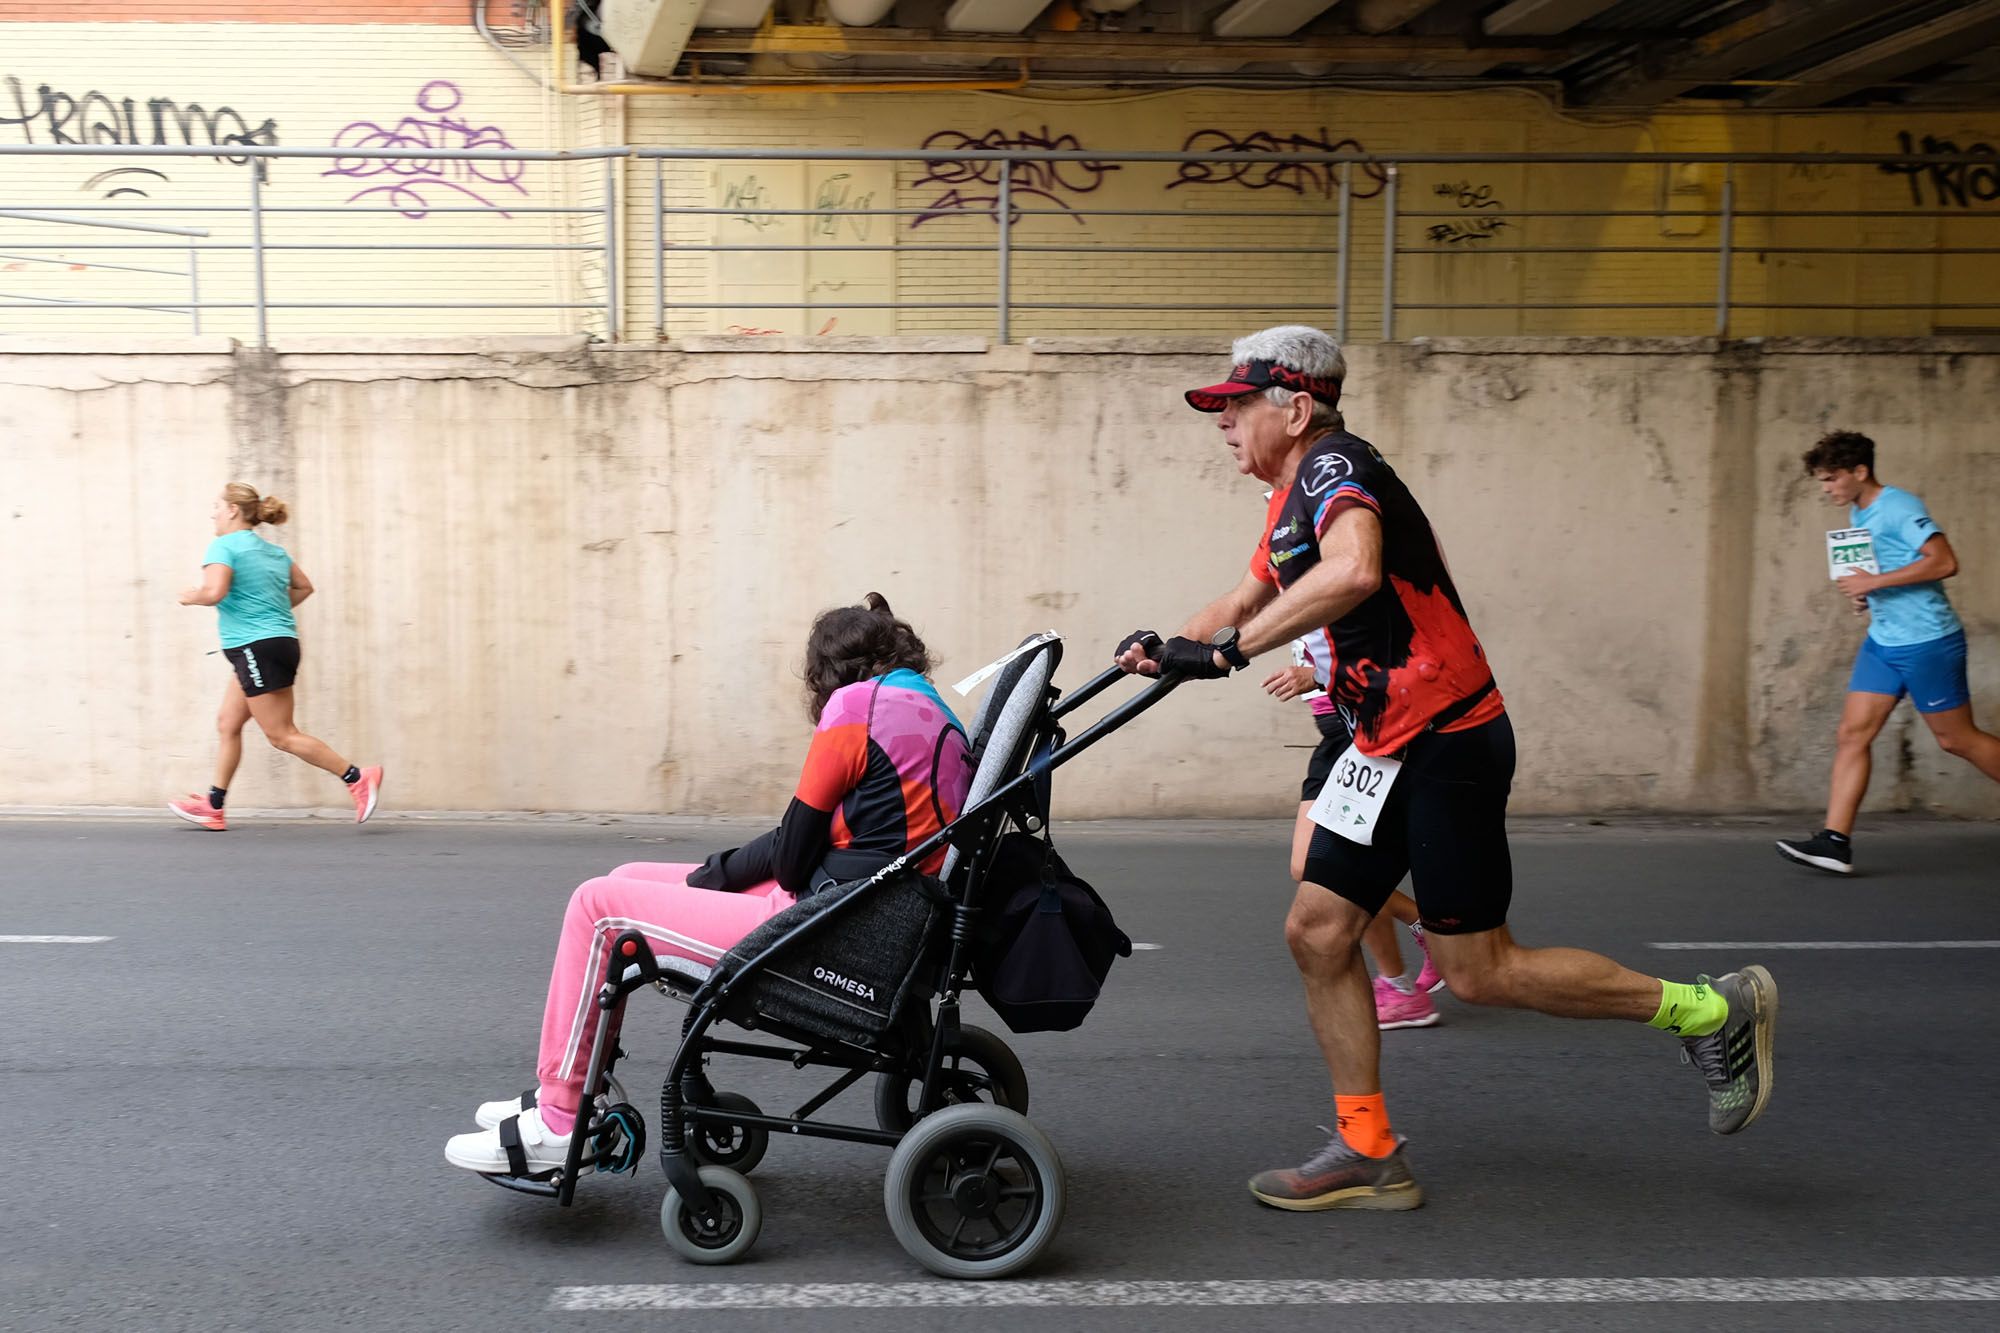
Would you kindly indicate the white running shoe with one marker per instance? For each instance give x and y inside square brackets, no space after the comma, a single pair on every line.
[483,1152]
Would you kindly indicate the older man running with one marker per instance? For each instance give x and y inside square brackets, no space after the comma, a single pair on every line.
[1348,558]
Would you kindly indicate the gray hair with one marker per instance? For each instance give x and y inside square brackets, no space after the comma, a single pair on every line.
[1303,348]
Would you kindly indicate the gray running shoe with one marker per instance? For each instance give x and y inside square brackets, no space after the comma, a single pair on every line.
[1338,1177]
[1735,1059]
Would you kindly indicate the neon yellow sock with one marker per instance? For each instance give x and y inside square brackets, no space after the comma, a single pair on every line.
[1689,1010]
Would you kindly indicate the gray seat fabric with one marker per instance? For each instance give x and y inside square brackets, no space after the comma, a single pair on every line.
[1000,728]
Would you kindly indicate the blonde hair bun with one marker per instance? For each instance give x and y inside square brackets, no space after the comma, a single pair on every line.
[272,510]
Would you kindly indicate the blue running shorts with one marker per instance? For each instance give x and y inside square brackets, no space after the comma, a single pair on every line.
[1931,673]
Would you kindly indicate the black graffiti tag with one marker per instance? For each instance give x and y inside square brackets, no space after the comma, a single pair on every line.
[1953,184]
[1049,181]
[1301,178]
[96,118]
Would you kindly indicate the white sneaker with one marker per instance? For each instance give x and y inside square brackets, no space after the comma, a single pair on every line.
[482,1151]
[490,1114]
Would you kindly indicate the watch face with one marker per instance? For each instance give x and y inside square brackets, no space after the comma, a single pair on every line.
[1223,638]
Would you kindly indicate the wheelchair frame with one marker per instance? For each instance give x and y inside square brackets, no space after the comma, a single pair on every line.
[612,1138]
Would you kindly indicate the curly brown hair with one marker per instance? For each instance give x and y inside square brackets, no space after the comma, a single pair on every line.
[1841,451]
[853,643]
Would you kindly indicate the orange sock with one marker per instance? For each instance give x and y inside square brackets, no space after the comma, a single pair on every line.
[1364,1124]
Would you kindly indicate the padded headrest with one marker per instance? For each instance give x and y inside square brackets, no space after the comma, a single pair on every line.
[1004,724]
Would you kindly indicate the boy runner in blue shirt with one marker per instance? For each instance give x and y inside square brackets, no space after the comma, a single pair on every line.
[1915,645]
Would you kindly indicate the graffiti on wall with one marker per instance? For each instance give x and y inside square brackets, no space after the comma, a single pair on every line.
[45,114]
[1478,224]
[1301,178]
[417,186]
[974,187]
[1952,184]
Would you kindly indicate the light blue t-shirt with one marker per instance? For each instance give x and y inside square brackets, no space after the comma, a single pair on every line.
[259,604]
[1899,525]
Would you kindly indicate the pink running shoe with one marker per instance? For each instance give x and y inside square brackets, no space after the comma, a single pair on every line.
[196,810]
[1393,1009]
[1429,980]
[366,790]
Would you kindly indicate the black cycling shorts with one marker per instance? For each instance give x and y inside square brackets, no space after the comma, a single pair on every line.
[1333,742]
[1444,825]
[265,665]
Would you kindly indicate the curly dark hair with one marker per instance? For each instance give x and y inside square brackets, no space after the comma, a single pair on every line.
[1841,451]
[853,643]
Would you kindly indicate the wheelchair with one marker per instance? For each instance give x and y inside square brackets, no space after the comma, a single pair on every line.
[863,979]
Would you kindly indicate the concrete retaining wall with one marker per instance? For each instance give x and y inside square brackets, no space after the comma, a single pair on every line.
[562,577]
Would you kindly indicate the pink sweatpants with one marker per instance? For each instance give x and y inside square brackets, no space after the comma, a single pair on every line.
[654,899]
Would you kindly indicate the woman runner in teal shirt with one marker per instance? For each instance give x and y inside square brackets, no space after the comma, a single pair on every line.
[253,585]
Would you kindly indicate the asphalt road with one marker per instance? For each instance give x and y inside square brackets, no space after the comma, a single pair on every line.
[231,1114]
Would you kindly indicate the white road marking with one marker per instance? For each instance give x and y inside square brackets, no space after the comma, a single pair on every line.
[1411,1291]
[1830,944]
[53,939]
[1137,947]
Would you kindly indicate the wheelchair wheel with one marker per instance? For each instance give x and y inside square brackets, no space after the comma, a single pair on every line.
[739,1218]
[982,1069]
[737,1147]
[975,1192]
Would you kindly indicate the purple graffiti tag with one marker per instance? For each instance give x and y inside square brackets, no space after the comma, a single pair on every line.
[416,179]
[1040,180]
[1301,178]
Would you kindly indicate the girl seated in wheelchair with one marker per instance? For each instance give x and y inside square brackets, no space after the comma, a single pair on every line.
[887,767]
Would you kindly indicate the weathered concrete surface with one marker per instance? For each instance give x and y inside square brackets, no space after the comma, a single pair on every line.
[560,577]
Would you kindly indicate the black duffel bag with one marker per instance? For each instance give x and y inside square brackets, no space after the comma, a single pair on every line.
[1049,940]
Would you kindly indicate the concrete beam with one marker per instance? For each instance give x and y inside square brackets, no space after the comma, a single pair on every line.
[1268,18]
[649,35]
[1110,48]
[1899,53]
[1716,57]
[1542,18]
[1379,16]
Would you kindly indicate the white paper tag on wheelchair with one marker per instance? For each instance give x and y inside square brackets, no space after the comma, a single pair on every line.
[973,681]
[1350,804]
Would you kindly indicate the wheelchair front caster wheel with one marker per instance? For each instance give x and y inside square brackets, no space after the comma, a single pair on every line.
[975,1192]
[735,1219]
[738,1147]
[981,1068]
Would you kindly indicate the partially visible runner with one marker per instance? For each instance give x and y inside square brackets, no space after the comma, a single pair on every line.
[1346,551]
[1915,643]
[888,767]
[1399,1002]
[254,585]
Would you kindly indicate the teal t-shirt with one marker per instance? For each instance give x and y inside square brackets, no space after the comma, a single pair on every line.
[1899,525]
[259,604]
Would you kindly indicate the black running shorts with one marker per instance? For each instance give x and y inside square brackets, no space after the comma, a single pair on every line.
[1444,825]
[1333,742]
[265,665]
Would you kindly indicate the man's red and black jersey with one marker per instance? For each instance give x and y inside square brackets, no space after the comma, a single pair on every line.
[1406,657]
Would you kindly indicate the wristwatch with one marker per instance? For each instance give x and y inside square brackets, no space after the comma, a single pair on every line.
[1224,642]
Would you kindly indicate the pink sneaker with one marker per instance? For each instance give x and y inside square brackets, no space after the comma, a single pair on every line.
[197,810]
[1429,980]
[366,790]
[1393,1009]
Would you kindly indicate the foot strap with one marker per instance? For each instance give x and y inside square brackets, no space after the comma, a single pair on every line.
[510,1139]
[528,1098]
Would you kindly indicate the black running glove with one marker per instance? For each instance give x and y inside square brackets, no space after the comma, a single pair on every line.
[1138,638]
[1189,659]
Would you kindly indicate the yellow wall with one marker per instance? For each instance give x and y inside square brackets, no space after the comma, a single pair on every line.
[316,84]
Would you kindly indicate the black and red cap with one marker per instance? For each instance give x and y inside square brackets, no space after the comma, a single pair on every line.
[1250,377]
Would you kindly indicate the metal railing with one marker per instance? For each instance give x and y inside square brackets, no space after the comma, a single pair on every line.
[1006,254]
